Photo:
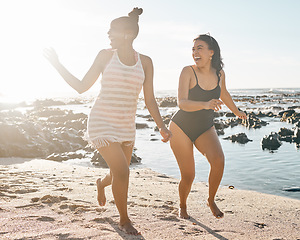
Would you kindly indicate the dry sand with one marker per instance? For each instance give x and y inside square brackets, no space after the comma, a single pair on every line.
[42,199]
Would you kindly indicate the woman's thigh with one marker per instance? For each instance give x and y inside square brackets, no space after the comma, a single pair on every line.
[182,148]
[116,159]
[127,148]
[209,145]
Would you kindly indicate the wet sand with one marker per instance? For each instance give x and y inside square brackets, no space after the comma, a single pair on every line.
[42,199]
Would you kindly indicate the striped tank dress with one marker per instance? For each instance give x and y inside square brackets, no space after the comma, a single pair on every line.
[112,117]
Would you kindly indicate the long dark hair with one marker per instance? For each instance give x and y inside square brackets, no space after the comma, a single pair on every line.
[216,60]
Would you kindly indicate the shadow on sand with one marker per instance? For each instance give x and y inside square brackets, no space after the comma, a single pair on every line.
[212,232]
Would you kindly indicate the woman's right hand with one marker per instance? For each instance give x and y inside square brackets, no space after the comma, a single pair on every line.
[51,56]
[214,104]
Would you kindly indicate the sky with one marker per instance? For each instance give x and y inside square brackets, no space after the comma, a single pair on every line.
[259,40]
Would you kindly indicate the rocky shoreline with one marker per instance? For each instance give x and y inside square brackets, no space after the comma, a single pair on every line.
[44,130]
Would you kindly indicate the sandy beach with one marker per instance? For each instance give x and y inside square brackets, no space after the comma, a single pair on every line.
[42,199]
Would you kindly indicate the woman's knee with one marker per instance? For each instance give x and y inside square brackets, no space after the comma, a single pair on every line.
[121,173]
[218,161]
[188,177]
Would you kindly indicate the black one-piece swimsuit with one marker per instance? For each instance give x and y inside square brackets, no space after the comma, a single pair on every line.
[193,124]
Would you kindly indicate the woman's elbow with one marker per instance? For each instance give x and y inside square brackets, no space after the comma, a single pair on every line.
[80,90]
[181,104]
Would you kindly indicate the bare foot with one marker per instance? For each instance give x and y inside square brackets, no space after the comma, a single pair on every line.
[183,213]
[101,194]
[214,209]
[129,229]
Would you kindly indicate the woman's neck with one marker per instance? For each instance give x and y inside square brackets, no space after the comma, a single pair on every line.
[126,55]
[207,69]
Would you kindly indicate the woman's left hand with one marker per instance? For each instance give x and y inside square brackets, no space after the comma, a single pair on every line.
[165,133]
[241,115]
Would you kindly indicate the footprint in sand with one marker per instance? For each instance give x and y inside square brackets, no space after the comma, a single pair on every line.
[170,218]
[144,199]
[52,199]
[100,210]
[102,220]
[23,191]
[76,208]
[229,212]
[64,189]
[45,219]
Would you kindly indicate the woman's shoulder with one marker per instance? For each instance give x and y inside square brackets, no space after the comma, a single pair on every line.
[145,58]
[106,52]
[104,55]
[187,69]
[146,61]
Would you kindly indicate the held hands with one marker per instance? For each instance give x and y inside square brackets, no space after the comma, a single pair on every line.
[214,104]
[165,133]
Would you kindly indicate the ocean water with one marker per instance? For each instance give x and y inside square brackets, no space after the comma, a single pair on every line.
[247,165]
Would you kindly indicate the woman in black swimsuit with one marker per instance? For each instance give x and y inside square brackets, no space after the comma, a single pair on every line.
[200,87]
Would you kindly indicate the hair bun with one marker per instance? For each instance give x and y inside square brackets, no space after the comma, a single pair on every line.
[135,13]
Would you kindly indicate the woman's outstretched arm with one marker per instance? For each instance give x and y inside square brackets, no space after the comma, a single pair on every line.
[90,77]
[227,99]
[150,99]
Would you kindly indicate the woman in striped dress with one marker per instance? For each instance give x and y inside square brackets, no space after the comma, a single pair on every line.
[111,124]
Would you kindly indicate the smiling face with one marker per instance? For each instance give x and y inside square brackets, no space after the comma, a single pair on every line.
[201,53]
[122,31]
[116,34]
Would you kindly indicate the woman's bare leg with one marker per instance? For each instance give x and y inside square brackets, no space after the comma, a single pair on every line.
[116,157]
[101,184]
[106,181]
[183,150]
[209,145]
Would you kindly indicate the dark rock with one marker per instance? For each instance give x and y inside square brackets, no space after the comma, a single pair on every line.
[141,125]
[220,132]
[144,116]
[135,158]
[47,112]
[292,189]
[287,113]
[253,122]
[78,124]
[47,102]
[271,142]
[286,139]
[167,119]
[67,117]
[218,114]
[229,114]
[168,102]
[232,122]
[297,133]
[290,118]
[33,135]
[240,138]
[64,156]
[260,114]
[154,139]
[219,125]
[97,160]
[285,132]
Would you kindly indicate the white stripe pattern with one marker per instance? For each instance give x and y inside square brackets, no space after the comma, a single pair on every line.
[112,118]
